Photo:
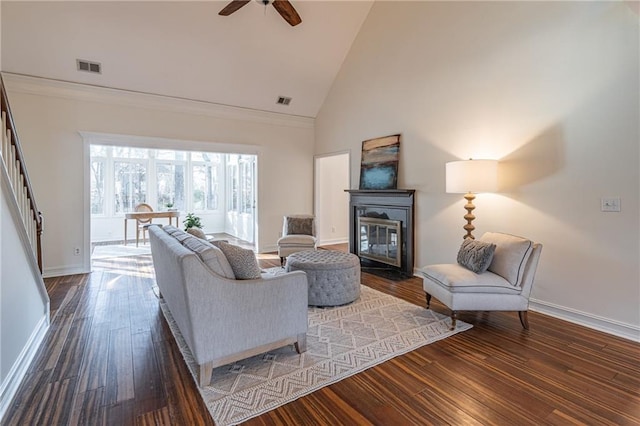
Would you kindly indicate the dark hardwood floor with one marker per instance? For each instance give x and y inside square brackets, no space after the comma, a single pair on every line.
[109,358]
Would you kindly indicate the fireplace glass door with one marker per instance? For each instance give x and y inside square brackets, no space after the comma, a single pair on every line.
[380,240]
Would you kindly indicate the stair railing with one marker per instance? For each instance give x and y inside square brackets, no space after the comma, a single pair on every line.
[19,179]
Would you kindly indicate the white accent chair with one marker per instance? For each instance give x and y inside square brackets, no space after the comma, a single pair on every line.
[298,234]
[504,286]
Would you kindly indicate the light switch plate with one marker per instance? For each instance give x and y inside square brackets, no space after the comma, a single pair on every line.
[611,204]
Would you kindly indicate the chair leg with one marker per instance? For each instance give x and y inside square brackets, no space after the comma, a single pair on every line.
[524,319]
[454,317]
[281,261]
[428,300]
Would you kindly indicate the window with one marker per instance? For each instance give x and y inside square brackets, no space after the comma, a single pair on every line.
[240,176]
[170,184]
[130,180]
[205,180]
[234,194]
[97,186]
[123,177]
[246,183]
[98,179]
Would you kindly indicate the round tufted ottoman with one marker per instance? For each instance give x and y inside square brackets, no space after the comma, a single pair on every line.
[333,276]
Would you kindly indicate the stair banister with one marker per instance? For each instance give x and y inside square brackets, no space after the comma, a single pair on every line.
[13,158]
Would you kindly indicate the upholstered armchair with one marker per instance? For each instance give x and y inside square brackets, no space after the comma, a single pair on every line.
[494,273]
[298,234]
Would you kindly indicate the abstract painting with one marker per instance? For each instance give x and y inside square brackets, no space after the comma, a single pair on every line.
[379,166]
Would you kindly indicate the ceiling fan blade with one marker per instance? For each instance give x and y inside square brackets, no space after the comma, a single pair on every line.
[232,7]
[286,10]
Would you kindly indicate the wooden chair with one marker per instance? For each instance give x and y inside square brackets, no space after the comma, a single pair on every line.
[142,224]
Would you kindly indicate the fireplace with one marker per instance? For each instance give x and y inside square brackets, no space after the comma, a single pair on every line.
[381,229]
[379,240]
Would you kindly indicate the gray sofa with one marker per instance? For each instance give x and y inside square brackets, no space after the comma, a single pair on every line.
[223,319]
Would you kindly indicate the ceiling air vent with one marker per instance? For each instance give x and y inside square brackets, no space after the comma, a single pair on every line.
[89,66]
[283,100]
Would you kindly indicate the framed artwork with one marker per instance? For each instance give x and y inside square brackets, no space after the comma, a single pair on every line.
[379,165]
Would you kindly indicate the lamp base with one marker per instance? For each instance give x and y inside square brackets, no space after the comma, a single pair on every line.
[469,217]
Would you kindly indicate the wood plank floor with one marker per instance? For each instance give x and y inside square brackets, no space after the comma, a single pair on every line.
[109,358]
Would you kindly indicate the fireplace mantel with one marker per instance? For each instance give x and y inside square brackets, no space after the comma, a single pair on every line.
[395,204]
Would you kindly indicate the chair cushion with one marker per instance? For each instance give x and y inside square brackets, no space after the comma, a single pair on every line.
[297,240]
[510,257]
[299,225]
[476,255]
[458,279]
[212,256]
[243,261]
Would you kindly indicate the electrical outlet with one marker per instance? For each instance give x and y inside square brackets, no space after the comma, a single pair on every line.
[76,251]
[611,204]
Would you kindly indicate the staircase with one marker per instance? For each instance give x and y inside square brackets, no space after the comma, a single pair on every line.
[19,179]
[24,304]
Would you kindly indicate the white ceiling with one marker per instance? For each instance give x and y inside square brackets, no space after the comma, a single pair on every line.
[186,50]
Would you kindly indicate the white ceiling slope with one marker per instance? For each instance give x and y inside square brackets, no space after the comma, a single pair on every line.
[185,49]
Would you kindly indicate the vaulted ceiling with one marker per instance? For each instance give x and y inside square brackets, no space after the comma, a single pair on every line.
[186,50]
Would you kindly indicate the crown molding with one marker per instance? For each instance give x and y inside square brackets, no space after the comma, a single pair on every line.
[83,92]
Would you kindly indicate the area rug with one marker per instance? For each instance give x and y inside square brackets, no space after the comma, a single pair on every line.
[341,342]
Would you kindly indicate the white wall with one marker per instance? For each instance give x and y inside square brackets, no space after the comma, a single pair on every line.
[50,114]
[24,304]
[331,202]
[548,88]
[21,305]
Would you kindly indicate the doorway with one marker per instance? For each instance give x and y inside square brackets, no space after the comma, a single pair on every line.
[219,188]
[331,202]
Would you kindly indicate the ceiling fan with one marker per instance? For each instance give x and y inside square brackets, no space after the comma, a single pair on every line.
[284,8]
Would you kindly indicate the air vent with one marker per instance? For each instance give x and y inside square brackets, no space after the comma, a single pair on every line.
[89,66]
[283,100]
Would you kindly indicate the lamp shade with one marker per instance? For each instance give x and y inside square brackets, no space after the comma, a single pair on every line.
[472,176]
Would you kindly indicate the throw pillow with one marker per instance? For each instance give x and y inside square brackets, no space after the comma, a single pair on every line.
[300,225]
[243,261]
[197,232]
[476,255]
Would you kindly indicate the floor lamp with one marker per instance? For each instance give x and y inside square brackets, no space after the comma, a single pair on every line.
[469,177]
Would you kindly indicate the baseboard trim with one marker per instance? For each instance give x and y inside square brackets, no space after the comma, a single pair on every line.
[62,271]
[606,325]
[10,385]
[332,242]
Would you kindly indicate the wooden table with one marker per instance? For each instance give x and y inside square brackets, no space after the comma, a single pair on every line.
[149,215]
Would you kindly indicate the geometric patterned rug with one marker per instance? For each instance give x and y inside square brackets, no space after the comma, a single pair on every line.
[341,342]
